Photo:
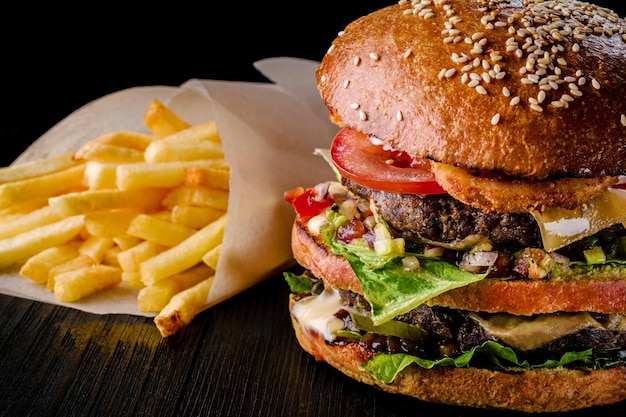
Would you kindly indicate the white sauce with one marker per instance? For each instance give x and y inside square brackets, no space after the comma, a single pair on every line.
[317,313]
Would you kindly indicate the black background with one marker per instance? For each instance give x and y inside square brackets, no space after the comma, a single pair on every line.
[238,358]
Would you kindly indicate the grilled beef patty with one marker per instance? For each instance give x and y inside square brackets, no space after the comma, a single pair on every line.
[441,218]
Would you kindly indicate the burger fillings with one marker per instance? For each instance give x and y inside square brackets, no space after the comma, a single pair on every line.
[478,227]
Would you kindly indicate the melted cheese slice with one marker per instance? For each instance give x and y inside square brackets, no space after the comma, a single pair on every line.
[560,227]
[526,333]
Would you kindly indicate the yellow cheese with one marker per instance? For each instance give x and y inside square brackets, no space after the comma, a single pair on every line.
[560,227]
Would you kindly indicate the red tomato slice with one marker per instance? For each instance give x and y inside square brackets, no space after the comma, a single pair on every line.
[358,159]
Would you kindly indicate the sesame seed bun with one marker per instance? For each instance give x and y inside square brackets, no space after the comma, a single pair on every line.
[533,91]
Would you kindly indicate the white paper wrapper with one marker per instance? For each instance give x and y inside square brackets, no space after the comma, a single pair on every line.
[269,133]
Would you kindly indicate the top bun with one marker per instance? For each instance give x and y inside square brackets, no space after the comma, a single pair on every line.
[529,88]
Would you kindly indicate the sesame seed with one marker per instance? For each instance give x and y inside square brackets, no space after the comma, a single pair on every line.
[623,119]
[595,83]
[354,106]
[481,90]
[407,53]
[449,73]
[505,92]
[323,78]
[442,73]
[495,119]
[536,107]
[399,116]
[374,56]
[514,101]
[473,83]
[331,49]
[357,60]
[346,84]
[362,115]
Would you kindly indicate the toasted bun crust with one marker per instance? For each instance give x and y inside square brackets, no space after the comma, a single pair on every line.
[603,292]
[530,391]
[405,74]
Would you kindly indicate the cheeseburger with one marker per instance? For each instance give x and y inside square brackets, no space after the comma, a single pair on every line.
[472,250]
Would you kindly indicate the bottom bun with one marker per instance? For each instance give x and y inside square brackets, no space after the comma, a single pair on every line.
[545,390]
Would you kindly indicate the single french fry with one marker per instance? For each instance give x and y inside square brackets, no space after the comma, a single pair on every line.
[130,258]
[25,222]
[132,279]
[164,174]
[196,196]
[124,138]
[14,211]
[109,224]
[79,283]
[126,241]
[26,244]
[38,266]
[208,177]
[90,201]
[158,230]
[182,308]
[184,255]
[195,217]
[202,132]
[81,261]
[161,120]
[96,247]
[100,175]
[43,186]
[23,170]
[110,256]
[210,258]
[166,151]
[155,297]
[108,153]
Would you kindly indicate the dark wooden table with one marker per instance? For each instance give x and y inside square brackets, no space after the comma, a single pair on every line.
[239,358]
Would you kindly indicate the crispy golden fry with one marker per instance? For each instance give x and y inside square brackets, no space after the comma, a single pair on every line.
[162,121]
[210,258]
[132,279]
[90,201]
[129,259]
[100,175]
[158,230]
[96,247]
[155,297]
[184,255]
[82,282]
[23,170]
[197,196]
[109,224]
[25,222]
[43,186]
[124,138]
[16,210]
[195,217]
[166,151]
[126,241]
[108,153]
[26,244]
[81,261]
[208,177]
[202,132]
[38,266]
[182,308]
[110,256]
[165,174]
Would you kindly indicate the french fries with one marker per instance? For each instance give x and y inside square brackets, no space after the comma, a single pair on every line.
[144,210]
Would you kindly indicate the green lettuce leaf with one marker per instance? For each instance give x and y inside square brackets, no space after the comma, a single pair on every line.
[391,289]
[385,367]
[298,283]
